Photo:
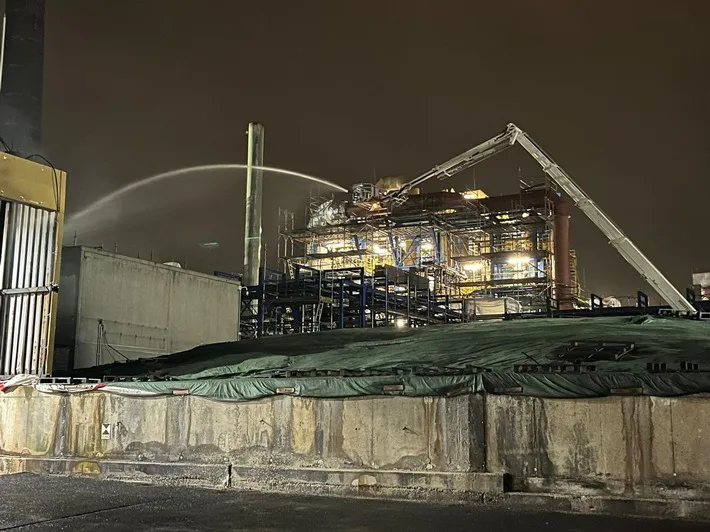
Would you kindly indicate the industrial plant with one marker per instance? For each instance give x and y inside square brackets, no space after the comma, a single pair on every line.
[397,252]
[413,340]
[388,255]
[392,254]
[439,257]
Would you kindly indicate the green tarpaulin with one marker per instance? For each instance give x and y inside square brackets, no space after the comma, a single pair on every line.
[422,361]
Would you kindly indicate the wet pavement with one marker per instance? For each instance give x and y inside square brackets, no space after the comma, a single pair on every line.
[32,503]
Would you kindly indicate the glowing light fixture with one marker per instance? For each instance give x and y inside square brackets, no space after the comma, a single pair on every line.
[519,261]
[526,214]
[473,266]
[379,250]
[401,323]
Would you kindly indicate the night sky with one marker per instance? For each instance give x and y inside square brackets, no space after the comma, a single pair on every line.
[617,92]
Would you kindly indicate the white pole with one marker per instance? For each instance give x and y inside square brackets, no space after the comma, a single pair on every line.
[2,46]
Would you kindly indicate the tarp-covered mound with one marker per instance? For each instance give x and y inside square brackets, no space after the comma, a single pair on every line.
[442,359]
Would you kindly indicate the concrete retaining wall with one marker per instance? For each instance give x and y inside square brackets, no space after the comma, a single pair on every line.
[415,434]
[631,446]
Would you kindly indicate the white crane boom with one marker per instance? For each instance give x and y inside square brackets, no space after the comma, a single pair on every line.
[454,166]
[626,248]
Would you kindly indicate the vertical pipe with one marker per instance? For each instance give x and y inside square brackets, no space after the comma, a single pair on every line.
[341,310]
[409,297]
[387,298]
[372,308]
[298,309]
[363,299]
[254,189]
[561,256]
[332,300]
[4,248]
[261,304]
[51,275]
[428,305]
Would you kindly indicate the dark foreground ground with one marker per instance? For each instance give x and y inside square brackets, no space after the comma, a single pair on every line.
[28,502]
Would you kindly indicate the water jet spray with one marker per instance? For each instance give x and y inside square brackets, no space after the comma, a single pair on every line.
[103,202]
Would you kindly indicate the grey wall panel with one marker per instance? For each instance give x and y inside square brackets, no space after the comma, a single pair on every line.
[131,308]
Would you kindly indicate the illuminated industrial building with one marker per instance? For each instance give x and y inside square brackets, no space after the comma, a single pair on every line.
[391,254]
[462,244]
[439,257]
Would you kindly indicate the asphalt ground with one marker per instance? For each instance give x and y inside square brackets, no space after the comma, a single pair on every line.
[33,503]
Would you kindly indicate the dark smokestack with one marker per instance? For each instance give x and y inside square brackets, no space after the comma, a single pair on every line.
[23,65]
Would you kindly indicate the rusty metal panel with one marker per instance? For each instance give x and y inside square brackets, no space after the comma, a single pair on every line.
[31,217]
[28,182]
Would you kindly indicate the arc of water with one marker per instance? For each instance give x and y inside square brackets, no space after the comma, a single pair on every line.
[113,196]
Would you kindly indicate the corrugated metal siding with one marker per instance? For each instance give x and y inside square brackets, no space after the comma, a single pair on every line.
[27,257]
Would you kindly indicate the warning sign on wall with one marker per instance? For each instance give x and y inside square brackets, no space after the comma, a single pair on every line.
[105,431]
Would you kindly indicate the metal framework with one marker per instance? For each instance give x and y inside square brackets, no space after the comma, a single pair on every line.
[392,254]
[626,248]
[439,258]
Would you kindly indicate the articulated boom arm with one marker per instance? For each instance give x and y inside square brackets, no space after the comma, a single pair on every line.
[626,248]
[453,166]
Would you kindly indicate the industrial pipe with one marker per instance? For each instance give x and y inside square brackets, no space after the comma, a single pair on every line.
[254,189]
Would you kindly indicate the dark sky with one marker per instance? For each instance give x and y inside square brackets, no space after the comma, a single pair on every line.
[616,91]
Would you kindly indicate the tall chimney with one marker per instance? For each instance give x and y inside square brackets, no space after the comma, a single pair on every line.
[252,226]
[22,75]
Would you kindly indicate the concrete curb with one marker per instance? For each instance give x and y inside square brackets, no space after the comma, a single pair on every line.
[655,508]
[232,475]
[372,479]
[430,486]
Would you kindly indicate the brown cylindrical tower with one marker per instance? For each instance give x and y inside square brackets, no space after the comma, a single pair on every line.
[561,255]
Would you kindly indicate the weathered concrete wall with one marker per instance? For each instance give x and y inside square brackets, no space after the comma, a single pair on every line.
[146,309]
[378,433]
[625,445]
[630,446]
